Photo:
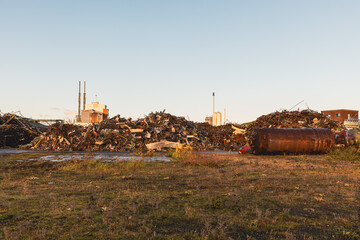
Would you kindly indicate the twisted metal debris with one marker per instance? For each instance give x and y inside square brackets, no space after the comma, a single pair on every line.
[16,130]
[296,119]
[119,134]
[127,135]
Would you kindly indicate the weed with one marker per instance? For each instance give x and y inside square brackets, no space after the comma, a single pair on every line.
[217,203]
[99,166]
[345,233]
[192,158]
[350,154]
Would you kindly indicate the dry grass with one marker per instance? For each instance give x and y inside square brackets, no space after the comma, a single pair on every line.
[189,157]
[100,166]
[345,154]
[198,196]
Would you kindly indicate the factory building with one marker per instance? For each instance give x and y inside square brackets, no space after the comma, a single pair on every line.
[350,118]
[94,113]
[215,119]
[91,113]
[341,114]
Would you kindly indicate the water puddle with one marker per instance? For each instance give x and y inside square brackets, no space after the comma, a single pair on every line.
[8,151]
[105,157]
[102,156]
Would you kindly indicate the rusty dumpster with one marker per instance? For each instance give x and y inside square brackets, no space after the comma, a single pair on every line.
[292,140]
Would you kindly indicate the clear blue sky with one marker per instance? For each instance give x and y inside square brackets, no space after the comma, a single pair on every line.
[150,55]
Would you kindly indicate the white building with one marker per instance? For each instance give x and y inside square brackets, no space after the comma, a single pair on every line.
[94,113]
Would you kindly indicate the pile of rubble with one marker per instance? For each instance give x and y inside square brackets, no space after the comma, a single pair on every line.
[296,119]
[290,119]
[16,130]
[161,130]
[155,131]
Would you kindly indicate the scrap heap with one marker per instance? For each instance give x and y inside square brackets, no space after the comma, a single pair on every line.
[16,130]
[160,130]
[120,134]
[296,119]
[291,119]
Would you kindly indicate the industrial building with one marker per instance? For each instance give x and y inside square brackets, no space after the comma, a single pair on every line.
[91,113]
[94,113]
[341,114]
[350,118]
[215,119]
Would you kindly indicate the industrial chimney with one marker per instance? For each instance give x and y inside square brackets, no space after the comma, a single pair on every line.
[216,117]
[79,103]
[84,100]
[213,103]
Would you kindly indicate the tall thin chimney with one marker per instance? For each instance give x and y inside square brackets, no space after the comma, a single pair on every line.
[84,100]
[213,115]
[79,100]
[213,103]
[224,115]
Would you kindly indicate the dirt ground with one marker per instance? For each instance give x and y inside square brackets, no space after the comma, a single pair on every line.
[195,196]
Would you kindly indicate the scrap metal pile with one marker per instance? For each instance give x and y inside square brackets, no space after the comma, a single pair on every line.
[16,130]
[118,134]
[161,130]
[289,120]
[296,119]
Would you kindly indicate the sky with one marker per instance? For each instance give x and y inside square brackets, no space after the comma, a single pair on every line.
[143,56]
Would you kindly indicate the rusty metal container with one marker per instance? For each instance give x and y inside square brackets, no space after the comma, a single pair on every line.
[292,140]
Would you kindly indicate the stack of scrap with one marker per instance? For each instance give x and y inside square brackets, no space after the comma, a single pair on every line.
[220,137]
[16,130]
[162,130]
[155,131]
[296,119]
[290,120]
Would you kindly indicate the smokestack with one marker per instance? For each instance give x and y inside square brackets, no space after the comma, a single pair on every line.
[224,115]
[84,100]
[79,100]
[213,103]
[213,115]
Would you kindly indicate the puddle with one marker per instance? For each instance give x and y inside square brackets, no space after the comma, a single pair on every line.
[105,157]
[6,151]
[57,158]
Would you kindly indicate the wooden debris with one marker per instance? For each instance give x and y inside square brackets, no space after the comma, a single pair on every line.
[160,130]
[162,144]
[16,130]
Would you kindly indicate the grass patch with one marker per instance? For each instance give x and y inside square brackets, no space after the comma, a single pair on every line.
[192,158]
[101,166]
[350,154]
[226,197]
